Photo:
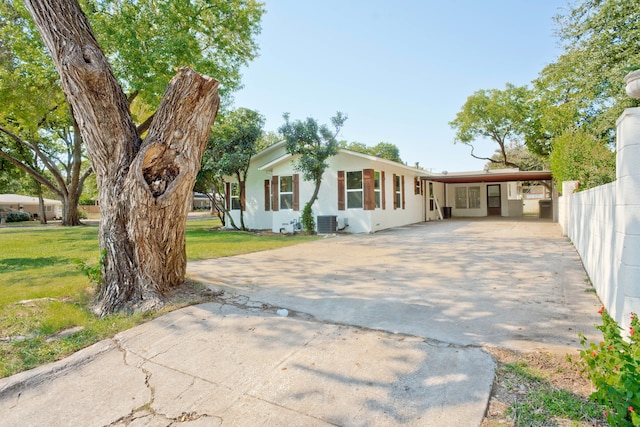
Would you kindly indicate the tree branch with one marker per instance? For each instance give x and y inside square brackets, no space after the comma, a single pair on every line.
[31,171]
[499,162]
[45,159]
[144,126]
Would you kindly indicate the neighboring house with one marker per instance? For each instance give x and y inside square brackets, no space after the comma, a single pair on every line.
[364,194]
[31,205]
[200,201]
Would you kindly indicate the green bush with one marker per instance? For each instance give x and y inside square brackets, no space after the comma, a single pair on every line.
[614,369]
[16,216]
[308,223]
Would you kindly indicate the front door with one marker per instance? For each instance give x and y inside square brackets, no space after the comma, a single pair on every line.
[493,200]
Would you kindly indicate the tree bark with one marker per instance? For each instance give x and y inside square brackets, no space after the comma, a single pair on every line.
[144,188]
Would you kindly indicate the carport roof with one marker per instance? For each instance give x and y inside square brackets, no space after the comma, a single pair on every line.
[499,175]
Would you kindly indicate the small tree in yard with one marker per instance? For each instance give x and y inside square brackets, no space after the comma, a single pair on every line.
[231,146]
[144,186]
[314,145]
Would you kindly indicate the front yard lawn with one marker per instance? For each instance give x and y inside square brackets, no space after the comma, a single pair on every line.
[45,297]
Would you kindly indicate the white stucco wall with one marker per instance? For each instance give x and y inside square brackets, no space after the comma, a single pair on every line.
[604,225]
[590,220]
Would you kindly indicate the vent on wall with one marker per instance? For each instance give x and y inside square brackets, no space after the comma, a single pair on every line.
[327,224]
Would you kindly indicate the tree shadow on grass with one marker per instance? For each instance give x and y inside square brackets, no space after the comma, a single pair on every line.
[18,264]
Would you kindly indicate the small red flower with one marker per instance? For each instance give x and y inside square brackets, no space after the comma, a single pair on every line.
[631,409]
[601,310]
[610,347]
[633,316]
[594,354]
[631,331]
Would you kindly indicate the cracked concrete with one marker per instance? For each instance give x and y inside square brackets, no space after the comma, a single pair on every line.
[385,329]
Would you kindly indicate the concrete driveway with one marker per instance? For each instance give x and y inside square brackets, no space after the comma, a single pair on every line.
[353,330]
[515,284]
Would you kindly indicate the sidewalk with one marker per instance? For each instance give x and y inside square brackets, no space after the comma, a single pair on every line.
[379,330]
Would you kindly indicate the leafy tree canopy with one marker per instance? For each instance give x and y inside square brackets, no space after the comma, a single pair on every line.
[146,40]
[584,87]
[233,140]
[498,115]
[312,142]
[579,156]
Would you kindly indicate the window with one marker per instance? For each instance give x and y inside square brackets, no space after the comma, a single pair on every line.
[397,203]
[286,192]
[474,197]
[354,190]
[461,197]
[467,197]
[48,208]
[235,196]
[376,189]
[431,197]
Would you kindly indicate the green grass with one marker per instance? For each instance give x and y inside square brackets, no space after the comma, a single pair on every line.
[542,403]
[43,290]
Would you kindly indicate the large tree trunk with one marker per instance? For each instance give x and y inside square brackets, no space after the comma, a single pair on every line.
[144,188]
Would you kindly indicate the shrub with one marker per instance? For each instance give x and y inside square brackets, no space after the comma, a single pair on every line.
[16,216]
[614,369]
[308,223]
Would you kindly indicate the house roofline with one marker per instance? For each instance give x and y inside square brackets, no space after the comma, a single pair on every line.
[376,159]
[494,175]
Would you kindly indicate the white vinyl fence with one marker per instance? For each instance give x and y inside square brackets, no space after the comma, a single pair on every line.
[604,225]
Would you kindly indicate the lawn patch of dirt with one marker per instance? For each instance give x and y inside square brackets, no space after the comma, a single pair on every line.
[521,375]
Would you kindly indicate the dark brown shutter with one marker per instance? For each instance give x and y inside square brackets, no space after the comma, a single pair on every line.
[275,193]
[296,192]
[242,196]
[395,192]
[267,195]
[402,194]
[368,185]
[384,199]
[227,196]
[340,190]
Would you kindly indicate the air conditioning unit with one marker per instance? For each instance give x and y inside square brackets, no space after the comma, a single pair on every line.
[327,224]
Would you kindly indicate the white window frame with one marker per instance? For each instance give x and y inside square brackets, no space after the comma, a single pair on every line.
[377,188]
[235,196]
[461,198]
[354,191]
[286,195]
[474,197]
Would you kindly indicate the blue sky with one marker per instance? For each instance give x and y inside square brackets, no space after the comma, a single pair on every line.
[400,70]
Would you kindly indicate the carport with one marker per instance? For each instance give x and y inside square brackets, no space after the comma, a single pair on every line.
[487,193]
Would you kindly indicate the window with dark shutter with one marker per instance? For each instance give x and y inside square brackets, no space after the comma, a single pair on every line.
[296,192]
[369,189]
[341,190]
[402,192]
[382,186]
[243,196]
[267,195]
[396,191]
[275,195]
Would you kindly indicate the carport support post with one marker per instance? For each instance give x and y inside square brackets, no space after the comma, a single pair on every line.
[627,218]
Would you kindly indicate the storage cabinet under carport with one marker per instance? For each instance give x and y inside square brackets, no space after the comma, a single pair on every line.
[546,209]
